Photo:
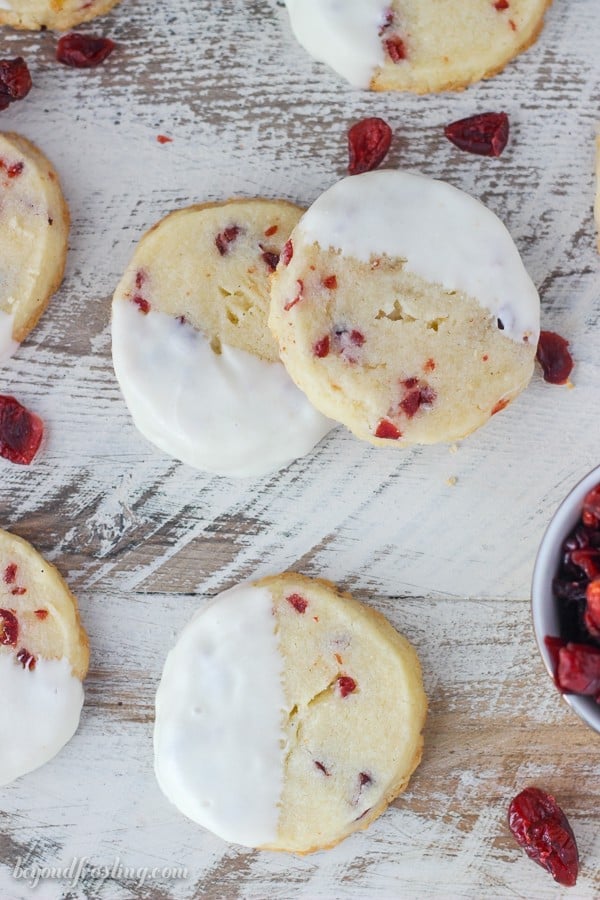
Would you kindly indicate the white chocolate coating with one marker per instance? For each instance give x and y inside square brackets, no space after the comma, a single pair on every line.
[218,737]
[7,344]
[230,413]
[40,713]
[445,236]
[344,34]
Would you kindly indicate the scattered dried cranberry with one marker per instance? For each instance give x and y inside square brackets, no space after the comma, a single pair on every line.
[418,394]
[287,253]
[15,80]
[9,628]
[271,230]
[26,659]
[322,768]
[41,613]
[346,684]
[395,48]
[226,237]
[270,259]
[299,296]
[298,602]
[21,431]
[18,591]
[485,134]
[10,573]
[321,348]
[387,429]
[501,5]
[554,357]
[163,139]
[330,282]
[141,303]
[83,51]
[368,144]
[541,828]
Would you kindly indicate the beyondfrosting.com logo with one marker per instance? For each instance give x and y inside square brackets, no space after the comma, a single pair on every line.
[81,870]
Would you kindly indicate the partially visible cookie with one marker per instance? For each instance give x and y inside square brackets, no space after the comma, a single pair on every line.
[44,656]
[56,15]
[416,45]
[403,310]
[197,365]
[597,199]
[289,715]
[34,230]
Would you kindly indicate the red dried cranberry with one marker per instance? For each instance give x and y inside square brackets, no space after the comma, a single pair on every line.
[141,303]
[21,431]
[591,502]
[140,278]
[418,394]
[499,406]
[26,659]
[395,48]
[364,779]
[226,237]
[368,144]
[10,573]
[429,365]
[270,259]
[578,669]
[287,253]
[387,20]
[298,602]
[322,768]
[501,5]
[163,139]
[299,296]
[15,80]
[83,51]
[330,282]
[554,357]
[387,429]
[540,826]
[485,134]
[321,348]
[41,613]
[346,685]
[18,591]
[9,628]
[269,232]
[587,560]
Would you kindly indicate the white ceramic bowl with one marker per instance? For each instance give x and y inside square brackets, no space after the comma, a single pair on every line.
[544,606]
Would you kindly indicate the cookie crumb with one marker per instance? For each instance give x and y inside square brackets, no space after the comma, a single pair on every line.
[451,481]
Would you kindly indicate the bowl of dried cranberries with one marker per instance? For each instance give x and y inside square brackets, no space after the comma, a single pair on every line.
[565,599]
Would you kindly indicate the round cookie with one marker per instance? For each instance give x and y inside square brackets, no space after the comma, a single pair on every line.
[416,45]
[34,230]
[289,715]
[198,367]
[403,310]
[44,656]
[56,15]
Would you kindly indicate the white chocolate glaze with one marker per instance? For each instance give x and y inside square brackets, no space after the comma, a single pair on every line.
[344,34]
[218,739]
[7,344]
[230,413]
[40,713]
[445,236]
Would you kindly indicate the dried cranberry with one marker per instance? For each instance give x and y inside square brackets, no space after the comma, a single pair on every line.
[322,768]
[163,139]
[554,357]
[21,431]
[299,296]
[418,394]
[83,51]
[18,591]
[141,303]
[270,259]
[387,20]
[226,237]
[540,826]
[368,144]
[485,134]
[269,232]
[587,560]
[9,628]
[330,282]
[578,669]
[346,684]
[591,503]
[387,429]
[298,602]
[321,348]
[26,659]
[10,573]
[41,613]
[287,253]
[395,48]
[15,80]
[501,5]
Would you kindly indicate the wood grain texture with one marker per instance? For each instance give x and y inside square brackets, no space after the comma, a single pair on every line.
[143,540]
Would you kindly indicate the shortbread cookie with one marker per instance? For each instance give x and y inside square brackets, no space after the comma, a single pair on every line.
[56,15]
[416,45]
[44,656]
[34,229]
[403,310]
[196,362]
[288,715]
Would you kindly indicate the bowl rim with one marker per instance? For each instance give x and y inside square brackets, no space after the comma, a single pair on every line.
[545,620]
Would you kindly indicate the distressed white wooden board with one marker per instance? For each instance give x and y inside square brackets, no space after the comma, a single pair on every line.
[144,540]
